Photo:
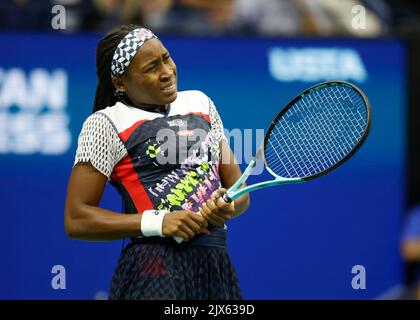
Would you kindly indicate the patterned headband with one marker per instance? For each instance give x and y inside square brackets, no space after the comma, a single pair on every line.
[128,48]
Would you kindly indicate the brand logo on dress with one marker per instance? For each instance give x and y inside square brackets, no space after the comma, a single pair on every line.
[176,123]
[185,133]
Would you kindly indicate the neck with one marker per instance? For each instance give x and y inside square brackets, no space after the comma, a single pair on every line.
[145,106]
[154,108]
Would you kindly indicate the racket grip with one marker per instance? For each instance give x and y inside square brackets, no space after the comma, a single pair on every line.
[226,198]
[178,239]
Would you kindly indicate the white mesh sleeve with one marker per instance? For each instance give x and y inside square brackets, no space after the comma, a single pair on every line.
[99,144]
[216,122]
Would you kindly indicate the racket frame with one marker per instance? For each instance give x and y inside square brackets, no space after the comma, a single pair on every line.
[234,192]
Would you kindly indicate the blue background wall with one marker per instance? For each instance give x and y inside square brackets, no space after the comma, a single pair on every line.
[295,242]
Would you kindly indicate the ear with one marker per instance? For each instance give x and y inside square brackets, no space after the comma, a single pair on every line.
[118,83]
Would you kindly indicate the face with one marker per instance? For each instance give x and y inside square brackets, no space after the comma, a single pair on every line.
[151,78]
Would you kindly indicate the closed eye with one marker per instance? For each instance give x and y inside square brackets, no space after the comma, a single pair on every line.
[150,67]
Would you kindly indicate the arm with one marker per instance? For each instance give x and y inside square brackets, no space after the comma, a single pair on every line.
[230,172]
[215,210]
[84,220]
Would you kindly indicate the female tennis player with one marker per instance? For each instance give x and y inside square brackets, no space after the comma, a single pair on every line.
[166,154]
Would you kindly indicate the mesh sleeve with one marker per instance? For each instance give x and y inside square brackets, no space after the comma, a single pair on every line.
[99,144]
[216,122]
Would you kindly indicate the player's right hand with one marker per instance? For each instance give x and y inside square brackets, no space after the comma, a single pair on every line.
[184,224]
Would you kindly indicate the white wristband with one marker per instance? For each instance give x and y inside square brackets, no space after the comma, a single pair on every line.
[151,223]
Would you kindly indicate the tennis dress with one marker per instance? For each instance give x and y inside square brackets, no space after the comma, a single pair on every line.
[163,161]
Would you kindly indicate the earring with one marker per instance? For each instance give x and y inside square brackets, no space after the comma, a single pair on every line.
[119,94]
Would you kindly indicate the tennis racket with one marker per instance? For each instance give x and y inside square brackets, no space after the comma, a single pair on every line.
[312,135]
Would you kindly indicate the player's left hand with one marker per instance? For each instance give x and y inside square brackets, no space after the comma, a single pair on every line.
[216,210]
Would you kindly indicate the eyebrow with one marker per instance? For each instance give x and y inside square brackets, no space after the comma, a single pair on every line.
[153,61]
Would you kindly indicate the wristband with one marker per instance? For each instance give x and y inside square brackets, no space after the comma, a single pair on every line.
[151,223]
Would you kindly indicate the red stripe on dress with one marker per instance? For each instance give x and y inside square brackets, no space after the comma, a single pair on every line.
[124,135]
[129,179]
[205,116]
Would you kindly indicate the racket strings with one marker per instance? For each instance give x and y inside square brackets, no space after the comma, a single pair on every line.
[320,137]
[311,146]
[352,125]
[317,132]
[322,141]
[348,143]
[309,155]
[328,135]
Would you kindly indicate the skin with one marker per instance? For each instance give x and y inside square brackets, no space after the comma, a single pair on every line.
[411,253]
[150,81]
[411,250]
[152,70]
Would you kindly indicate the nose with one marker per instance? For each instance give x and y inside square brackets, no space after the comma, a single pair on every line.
[166,72]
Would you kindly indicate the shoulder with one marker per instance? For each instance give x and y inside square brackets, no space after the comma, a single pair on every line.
[192,101]
[112,112]
[122,117]
[96,123]
[97,119]
[196,95]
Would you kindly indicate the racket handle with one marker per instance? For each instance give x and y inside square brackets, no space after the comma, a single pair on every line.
[226,198]
[178,239]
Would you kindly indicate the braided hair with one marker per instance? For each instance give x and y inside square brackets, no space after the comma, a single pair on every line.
[105,91]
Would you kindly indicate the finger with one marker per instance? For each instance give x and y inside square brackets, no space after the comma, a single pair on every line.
[218,193]
[194,226]
[214,218]
[211,217]
[218,219]
[223,217]
[205,211]
[221,204]
[203,214]
[223,210]
[197,218]
[190,233]
[181,234]
[206,216]
[212,206]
